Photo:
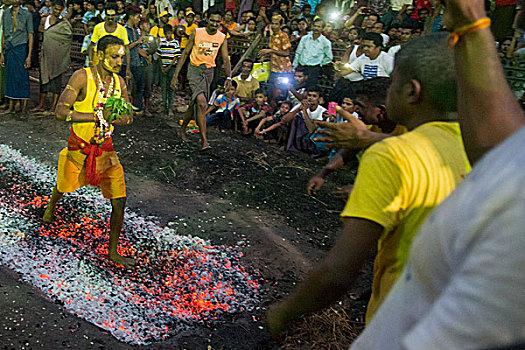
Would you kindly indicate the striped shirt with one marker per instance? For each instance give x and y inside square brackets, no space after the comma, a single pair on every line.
[169,51]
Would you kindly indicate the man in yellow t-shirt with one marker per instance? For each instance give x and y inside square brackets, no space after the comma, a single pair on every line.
[400,180]
[189,27]
[109,27]
[158,30]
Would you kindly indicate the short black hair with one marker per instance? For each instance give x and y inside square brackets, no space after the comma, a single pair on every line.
[421,10]
[376,38]
[375,90]
[287,103]
[108,40]
[248,61]
[213,11]
[234,83]
[111,6]
[302,69]
[58,3]
[168,28]
[434,68]
[259,91]
[314,89]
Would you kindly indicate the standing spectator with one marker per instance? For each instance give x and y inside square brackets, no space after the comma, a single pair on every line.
[47,9]
[158,30]
[379,28]
[279,51]
[133,14]
[121,11]
[56,55]
[17,40]
[228,23]
[246,83]
[203,46]
[405,34]
[89,14]
[179,20]
[110,27]
[87,40]
[189,27]
[313,52]
[502,17]
[77,14]
[400,181]
[374,63]
[35,54]
[100,7]
[147,67]
[169,52]
[396,13]
[152,15]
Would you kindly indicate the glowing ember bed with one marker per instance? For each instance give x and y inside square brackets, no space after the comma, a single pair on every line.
[178,281]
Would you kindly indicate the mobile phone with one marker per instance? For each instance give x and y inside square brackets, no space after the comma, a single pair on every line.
[331,108]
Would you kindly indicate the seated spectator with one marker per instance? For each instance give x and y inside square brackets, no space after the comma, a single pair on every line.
[251,113]
[374,63]
[349,84]
[169,52]
[504,47]
[100,7]
[246,83]
[302,30]
[77,15]
[220,113]
[400,181]
[313,52]
[303,119]
[249,30]
[275,135]
[297,92]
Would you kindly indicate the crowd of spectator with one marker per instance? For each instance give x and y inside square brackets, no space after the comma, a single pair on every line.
[296,59]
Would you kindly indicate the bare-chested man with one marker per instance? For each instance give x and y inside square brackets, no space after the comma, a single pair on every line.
[89,157]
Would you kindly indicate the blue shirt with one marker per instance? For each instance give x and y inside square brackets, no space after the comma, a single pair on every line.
[24,26]
[134,57]
[313,52]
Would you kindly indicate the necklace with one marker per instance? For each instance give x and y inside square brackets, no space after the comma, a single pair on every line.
[102,127]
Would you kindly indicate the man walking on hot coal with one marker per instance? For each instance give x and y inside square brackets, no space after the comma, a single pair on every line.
[89,157]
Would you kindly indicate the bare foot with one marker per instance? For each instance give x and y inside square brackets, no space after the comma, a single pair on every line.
[38,109]
[205,146]
[9,111]
[128,263]
[182,134]
[48,215]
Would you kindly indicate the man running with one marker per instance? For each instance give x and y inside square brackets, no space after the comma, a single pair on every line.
[89,157]
[202,47]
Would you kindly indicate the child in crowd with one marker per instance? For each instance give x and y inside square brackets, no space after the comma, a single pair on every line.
[251,113]
[87,40]
[169,52]
[297,92]
[223,106]
[260,131]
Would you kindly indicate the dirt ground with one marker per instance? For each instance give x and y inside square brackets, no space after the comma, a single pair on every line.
[241,192]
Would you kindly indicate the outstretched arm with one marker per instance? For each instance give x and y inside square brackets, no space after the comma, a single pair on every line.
[488,110]
[332,278]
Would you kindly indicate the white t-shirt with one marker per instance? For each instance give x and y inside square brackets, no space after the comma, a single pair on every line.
[314,115]
[463,286]
[382,66]
[393,50]
[386,39]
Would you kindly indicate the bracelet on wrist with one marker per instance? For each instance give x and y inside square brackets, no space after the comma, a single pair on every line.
[466,29]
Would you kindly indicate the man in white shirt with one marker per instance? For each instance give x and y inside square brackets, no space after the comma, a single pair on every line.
[374,63]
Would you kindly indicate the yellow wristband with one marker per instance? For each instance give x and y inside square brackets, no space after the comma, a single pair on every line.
[453,38]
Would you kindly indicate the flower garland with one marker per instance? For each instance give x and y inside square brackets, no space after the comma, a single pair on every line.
[102,126]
